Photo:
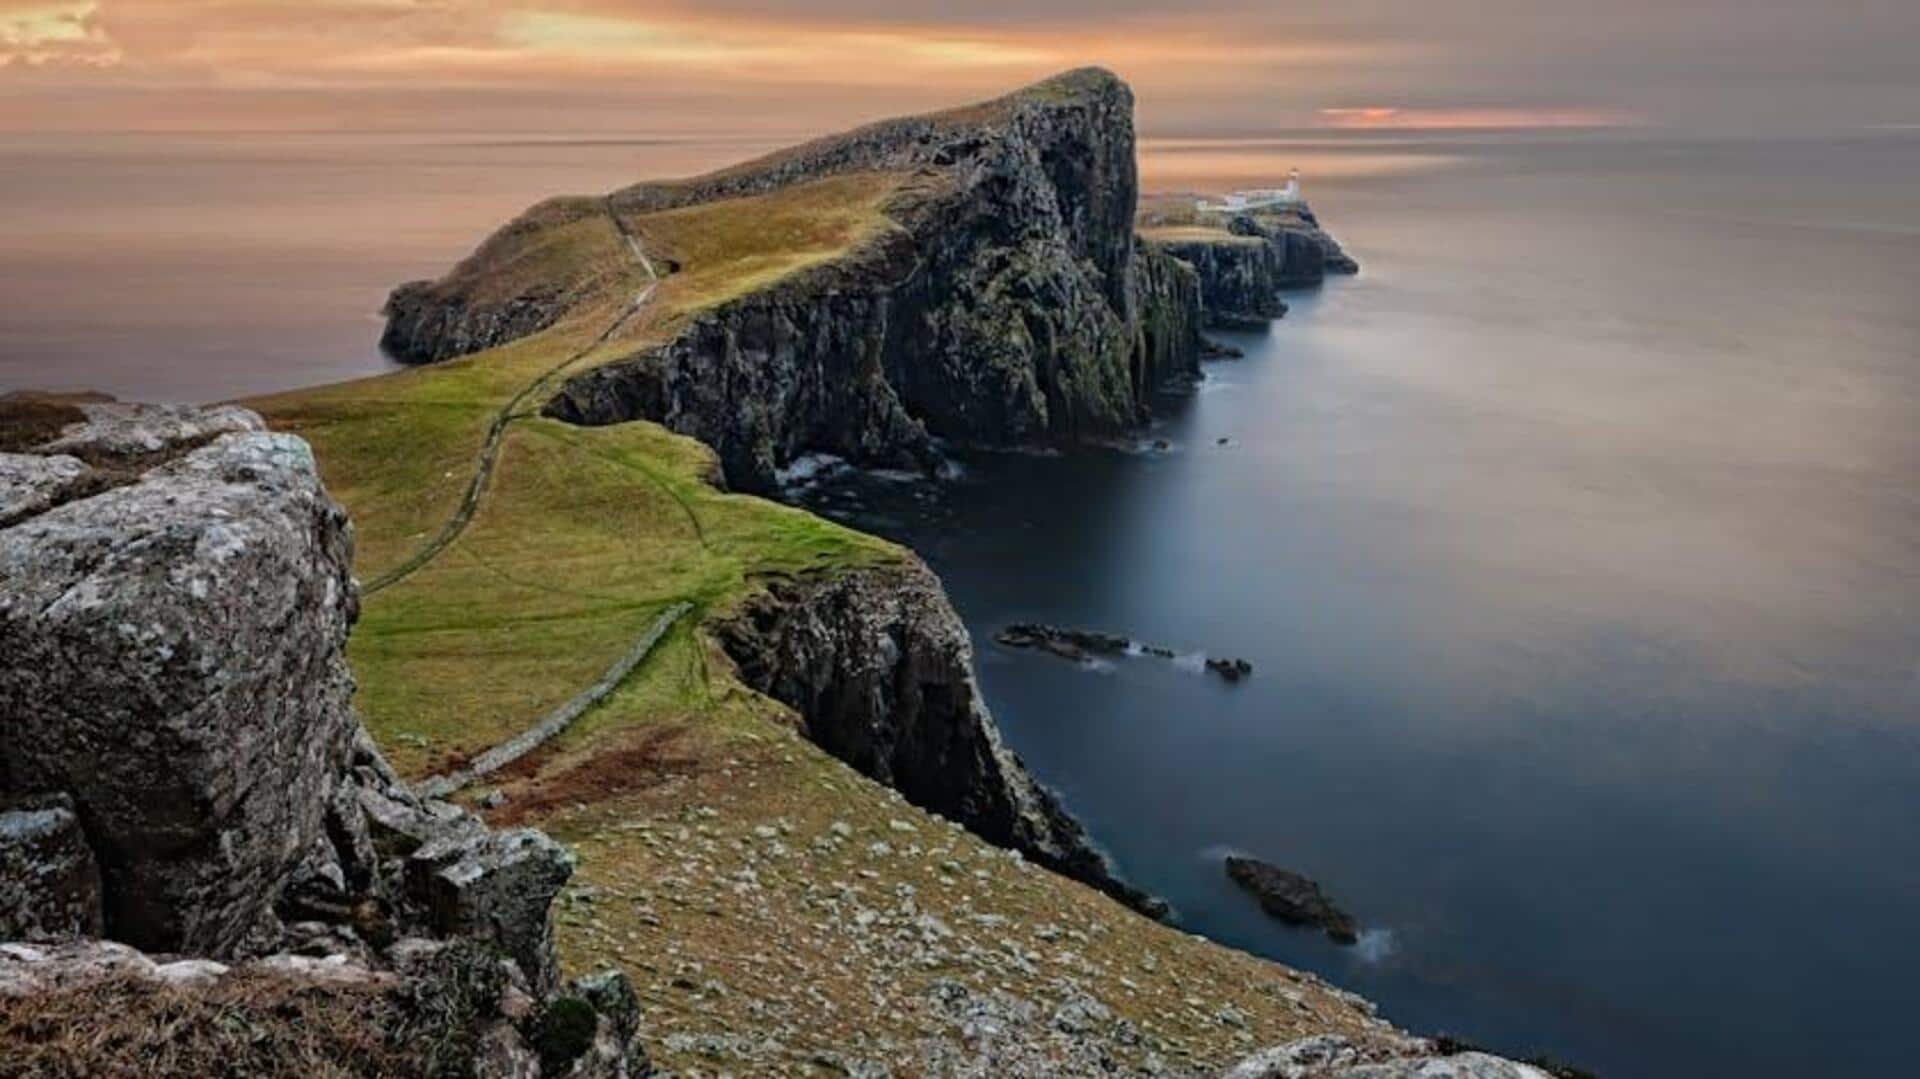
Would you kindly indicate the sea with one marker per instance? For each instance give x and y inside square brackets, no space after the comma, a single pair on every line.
[1574,543]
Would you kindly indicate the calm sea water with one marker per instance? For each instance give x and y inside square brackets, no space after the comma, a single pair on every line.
[1576,545]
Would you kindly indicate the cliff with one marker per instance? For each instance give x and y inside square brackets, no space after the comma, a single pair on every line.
[1243,260]
[880,669]
[1004,303]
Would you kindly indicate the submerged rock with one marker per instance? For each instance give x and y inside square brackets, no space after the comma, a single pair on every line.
[1292,898]
[1081,645]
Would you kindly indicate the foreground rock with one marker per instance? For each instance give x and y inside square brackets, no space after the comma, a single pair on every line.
[1330,1056]
[175,666]
[180,769]
[431,1008]
[1292,898]
[880,669]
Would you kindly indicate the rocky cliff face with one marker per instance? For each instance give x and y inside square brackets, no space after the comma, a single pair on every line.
[880,669]
[1008,307]
[1240,278]
[180,767]
[1306,253]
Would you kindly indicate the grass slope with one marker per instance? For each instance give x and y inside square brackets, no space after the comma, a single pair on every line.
[711,866]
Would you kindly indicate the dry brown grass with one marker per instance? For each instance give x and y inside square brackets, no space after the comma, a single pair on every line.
[245,1024]
[26,422]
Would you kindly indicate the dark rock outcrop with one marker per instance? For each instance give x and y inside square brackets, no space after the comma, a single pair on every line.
[880,669]
[1292,898]
[1307,254]
[1081,645]
[1240,277]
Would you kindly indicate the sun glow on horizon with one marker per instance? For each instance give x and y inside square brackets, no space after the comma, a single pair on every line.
[1395,118]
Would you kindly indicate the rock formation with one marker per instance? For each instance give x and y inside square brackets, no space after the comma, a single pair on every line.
[1240,277]
[1292,898]
[1081,645]
[880,669]
[180,768]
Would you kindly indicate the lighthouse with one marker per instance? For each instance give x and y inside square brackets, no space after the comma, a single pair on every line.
[1291,195]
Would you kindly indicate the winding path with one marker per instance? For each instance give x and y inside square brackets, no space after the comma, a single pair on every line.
[560,718]
[497,430]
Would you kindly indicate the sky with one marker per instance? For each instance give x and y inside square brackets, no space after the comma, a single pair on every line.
[1199,67]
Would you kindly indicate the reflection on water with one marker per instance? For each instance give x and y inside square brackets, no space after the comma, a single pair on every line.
[1575,545]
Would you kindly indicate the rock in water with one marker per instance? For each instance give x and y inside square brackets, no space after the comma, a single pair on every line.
[1291,898]
[175,665]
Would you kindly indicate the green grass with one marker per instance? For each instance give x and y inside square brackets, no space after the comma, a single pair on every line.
[730,247]
[585,533]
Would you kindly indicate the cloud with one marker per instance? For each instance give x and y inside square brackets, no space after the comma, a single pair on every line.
[1208,66]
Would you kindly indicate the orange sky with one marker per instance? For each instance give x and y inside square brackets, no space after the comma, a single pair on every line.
[748,65]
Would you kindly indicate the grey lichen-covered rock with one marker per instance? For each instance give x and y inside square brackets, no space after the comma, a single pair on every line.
[880,668]
[175,665]
[124,430]
[498,888]
[49,883]
[31,484]
[1330,1056]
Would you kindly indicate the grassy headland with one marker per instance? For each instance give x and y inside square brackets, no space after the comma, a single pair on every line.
[776,910]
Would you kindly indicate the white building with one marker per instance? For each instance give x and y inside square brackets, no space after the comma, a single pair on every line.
[1258,198]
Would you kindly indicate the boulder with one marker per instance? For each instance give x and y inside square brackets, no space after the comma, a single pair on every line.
[498,888]
[51,885]
[176,666]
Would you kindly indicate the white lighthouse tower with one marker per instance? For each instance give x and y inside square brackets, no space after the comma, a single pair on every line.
[1291,194]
